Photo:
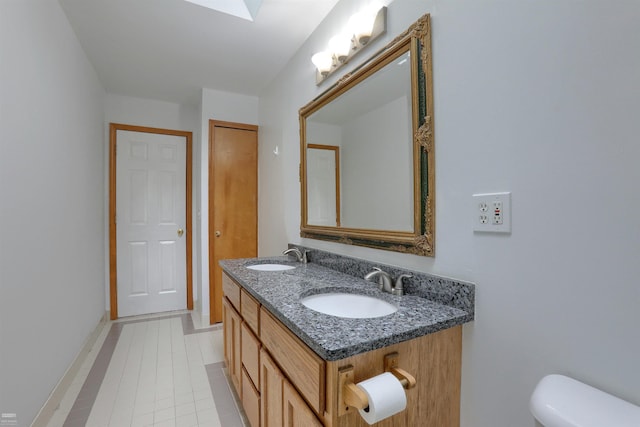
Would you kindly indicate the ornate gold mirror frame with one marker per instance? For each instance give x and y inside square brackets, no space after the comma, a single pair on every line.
[417,41]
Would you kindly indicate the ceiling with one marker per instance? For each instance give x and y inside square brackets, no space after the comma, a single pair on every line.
[170,49]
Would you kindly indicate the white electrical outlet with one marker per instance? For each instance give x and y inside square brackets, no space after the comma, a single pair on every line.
[492,212]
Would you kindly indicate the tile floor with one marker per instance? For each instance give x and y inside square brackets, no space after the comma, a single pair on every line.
[156,371]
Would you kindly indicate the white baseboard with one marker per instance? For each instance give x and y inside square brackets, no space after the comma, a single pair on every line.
[200,320]
[52,403]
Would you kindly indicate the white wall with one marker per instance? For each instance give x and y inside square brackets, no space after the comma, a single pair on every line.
[540,98]
[226,107]
[52,193]
[151,113]
[158,114]
[376,169]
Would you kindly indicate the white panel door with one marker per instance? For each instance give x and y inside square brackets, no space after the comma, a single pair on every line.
[150,222]
[321,187]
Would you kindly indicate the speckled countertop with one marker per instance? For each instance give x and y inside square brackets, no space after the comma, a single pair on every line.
[334,338]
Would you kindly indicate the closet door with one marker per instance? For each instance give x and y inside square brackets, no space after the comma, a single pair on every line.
[233,201]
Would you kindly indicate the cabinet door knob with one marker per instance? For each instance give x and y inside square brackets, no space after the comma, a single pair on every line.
[180,232]
[218,233]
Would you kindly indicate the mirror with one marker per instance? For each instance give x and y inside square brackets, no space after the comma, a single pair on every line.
[367,163]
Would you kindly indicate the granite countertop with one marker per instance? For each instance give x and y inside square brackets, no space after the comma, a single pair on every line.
[334,338]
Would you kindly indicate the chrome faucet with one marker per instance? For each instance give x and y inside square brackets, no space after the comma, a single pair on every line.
[301,256]
[384,281]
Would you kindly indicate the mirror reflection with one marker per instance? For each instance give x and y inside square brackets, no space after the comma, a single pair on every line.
[371,126]
[323,182]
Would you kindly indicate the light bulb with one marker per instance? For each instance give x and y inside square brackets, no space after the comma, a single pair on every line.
[323,62]
[361,25]
[340,45]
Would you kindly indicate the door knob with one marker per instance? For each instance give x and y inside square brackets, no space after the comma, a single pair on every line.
[218,233]
[180,232]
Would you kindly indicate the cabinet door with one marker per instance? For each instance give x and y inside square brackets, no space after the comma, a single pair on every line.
[271,380]
[250,400]
[226,333]
[250,354]
[295,412]
[232,352]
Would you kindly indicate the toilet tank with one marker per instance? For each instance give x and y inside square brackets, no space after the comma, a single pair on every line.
[560,401]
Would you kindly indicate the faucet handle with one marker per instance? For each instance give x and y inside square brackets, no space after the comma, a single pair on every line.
[376,272]
[398,287]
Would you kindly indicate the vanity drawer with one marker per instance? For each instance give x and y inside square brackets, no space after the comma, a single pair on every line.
[303,367]
[250,310]
[250,400]
[250,354]
[231,290]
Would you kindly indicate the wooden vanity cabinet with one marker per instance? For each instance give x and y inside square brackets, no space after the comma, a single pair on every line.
[434,360]
[232,347]
[258,349]
[282,382]
[242,346]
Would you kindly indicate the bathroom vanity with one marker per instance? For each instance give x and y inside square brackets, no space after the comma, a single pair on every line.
[289,364]
[296,351]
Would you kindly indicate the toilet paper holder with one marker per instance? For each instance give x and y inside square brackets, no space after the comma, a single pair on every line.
[349,395]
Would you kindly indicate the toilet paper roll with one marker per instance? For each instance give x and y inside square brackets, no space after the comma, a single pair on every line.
[386,397]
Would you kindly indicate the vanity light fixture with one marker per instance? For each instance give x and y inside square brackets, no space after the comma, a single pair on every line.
[362,28]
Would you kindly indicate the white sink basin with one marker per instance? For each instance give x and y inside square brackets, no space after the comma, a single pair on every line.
[352,306]
[270,267]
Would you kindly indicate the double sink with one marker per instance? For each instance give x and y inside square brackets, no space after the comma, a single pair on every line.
[339,304]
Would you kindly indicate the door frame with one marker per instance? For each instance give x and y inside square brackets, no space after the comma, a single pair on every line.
[113,277]
[213,124]
[336,153]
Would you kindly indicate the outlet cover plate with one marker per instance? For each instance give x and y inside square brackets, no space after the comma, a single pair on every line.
[492,212]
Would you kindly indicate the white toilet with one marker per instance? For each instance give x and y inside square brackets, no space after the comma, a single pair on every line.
[560,401]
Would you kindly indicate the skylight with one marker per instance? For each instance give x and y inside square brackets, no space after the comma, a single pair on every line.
[245,9]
